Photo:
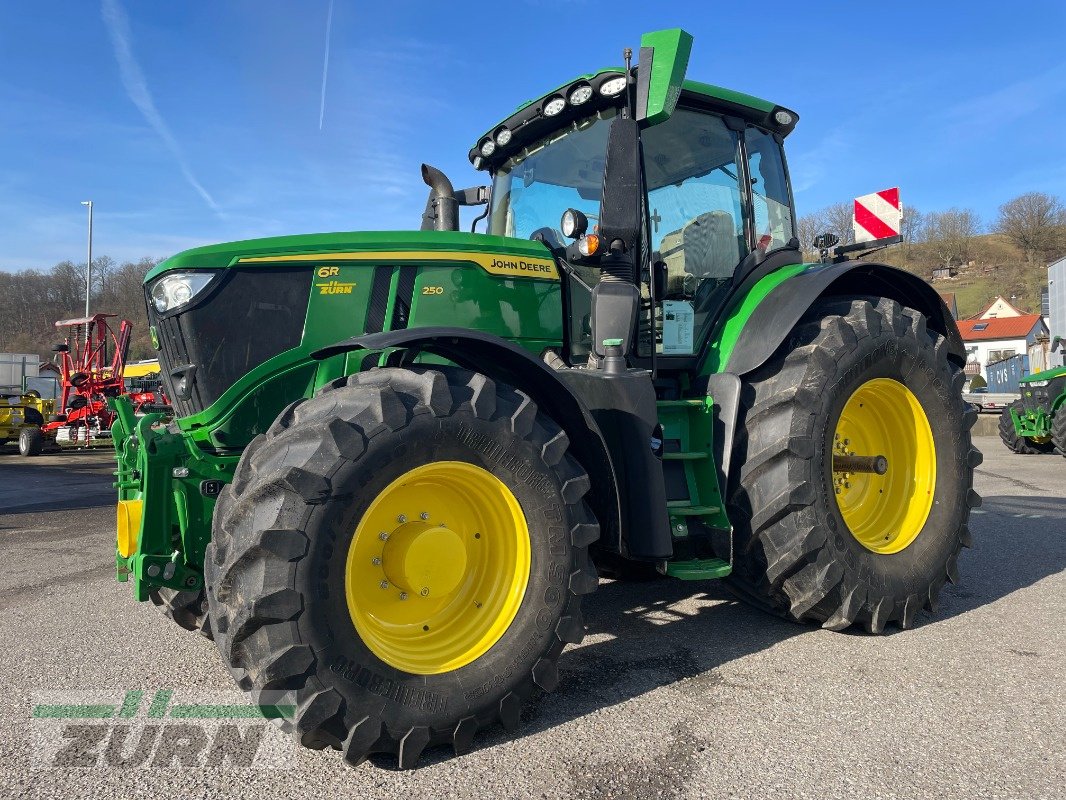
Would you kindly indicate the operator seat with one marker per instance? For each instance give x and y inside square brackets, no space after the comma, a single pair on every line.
[711,246]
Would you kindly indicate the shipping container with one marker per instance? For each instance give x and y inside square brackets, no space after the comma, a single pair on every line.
[1005,375]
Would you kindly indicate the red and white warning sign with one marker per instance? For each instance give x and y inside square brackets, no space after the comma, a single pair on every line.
[878,215]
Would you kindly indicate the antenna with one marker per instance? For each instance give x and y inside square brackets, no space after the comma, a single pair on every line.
[627,54]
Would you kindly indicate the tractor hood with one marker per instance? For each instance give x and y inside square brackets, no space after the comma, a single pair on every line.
[323,245]
[1046,375]
[236,323]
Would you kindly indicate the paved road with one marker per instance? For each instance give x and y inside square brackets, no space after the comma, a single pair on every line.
[678,690]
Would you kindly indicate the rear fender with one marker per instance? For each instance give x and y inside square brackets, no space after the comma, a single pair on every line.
[762,317]
[773,318]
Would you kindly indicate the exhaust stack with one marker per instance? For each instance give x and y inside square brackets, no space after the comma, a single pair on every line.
[442,208]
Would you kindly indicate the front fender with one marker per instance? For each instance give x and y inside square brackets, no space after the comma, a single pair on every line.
[504,361]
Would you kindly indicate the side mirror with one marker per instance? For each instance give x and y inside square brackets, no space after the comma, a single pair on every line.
[663,62]
[1058,343]
[60,348]
[825,240]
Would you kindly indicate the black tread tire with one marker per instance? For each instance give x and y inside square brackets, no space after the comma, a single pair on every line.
[3,441]
[31,442]
[286,520]
[187,609]
[794,555]
[1058,430]
[33,416]
[1014,442]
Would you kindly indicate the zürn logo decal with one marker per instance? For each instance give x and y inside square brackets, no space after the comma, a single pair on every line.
[155,732]
[333,286]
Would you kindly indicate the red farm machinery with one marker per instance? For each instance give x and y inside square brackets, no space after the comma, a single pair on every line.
[92,358]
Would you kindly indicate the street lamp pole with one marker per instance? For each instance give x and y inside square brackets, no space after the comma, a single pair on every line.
[89,260]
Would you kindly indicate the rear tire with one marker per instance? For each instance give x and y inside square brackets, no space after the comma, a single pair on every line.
[31,442]
[795,554]
[1014,442]
[187,609]
[279,568]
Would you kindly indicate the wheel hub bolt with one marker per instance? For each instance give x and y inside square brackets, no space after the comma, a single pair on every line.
[383,536]
[403,595]
[384,584]
[402,519]
[375,561]
[424,515]
[425,591]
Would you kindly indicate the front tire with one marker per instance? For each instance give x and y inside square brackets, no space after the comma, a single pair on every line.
[187,609]
[819,544]
[1014,442]
[318,516]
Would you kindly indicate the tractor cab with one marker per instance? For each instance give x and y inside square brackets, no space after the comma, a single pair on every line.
[716,198]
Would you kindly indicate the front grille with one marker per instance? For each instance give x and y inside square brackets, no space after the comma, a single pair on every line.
[1032,399]
[246,318]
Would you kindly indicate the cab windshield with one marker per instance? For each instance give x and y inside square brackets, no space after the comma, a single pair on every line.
[531,191]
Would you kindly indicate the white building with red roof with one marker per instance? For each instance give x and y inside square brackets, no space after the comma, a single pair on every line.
[1001,331]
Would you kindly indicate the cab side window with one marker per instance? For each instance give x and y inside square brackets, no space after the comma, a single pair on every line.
[769,190]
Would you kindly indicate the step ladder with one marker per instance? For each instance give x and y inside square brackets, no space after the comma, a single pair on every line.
[689,422]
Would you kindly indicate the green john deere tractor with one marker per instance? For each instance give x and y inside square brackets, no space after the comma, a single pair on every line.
[1037,422]
[397,459]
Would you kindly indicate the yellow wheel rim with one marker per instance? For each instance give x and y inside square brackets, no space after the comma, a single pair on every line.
[885,513]
[438,567]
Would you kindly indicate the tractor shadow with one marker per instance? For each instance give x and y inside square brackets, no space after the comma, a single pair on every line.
[646,636]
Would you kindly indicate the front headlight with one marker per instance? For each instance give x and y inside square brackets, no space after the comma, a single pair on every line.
[178,288]
[1038,384]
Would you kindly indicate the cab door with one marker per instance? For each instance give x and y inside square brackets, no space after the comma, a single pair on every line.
[717,191]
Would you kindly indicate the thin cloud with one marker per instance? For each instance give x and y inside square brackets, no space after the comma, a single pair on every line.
[118,28]
[325,67]
[815,164]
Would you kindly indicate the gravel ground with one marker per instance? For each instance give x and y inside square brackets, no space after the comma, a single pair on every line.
[678,691]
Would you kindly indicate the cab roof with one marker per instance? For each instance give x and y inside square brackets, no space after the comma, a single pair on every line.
[530,122]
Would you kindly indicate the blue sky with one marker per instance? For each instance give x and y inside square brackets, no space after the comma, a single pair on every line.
[194,122]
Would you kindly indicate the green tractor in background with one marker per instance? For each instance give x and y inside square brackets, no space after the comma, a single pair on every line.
[1037,423]
[397,459]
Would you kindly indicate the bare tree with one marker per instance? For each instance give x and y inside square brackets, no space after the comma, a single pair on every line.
[807,227]
[32,300]
[838,219]
[1035,222]
[949,234]
[913,225]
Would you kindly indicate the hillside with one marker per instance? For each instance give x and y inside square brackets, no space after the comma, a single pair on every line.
[995,267]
